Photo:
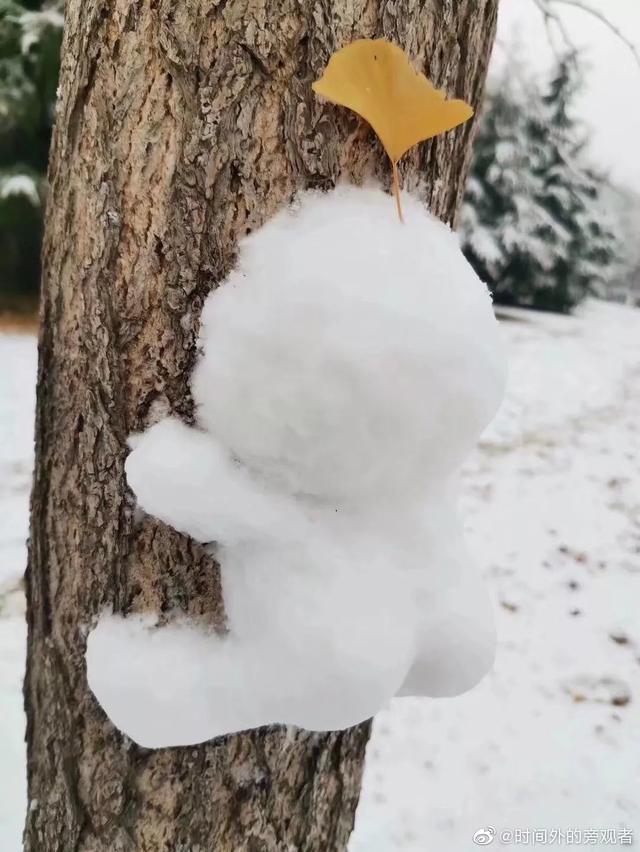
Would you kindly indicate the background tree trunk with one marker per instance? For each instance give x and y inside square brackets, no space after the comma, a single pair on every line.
[180,127]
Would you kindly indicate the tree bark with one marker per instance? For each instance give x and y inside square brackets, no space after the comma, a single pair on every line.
[180,127]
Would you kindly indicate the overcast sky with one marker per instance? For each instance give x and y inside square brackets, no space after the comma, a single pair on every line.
[611,101]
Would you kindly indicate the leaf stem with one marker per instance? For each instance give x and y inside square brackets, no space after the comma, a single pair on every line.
[396,189]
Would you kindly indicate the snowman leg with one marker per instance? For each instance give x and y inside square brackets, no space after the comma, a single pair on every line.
[456,639]
[177,684]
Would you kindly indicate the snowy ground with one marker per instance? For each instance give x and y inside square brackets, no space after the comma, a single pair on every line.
[550,740]
[17,392]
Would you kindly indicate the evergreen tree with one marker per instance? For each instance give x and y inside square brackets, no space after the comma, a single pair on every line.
[30,34]
[533,224]
[573,193]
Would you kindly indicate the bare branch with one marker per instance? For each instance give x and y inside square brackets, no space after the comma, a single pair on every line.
[549,10]
[553,19]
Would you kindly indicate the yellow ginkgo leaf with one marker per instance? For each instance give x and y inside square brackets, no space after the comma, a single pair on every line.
[375,79]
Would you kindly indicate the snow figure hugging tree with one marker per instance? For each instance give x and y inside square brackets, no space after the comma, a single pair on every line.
[348,365]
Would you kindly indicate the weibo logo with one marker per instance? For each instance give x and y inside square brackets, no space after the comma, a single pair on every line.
[484,836]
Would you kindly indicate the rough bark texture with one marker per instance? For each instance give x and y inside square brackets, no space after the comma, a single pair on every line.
[180,127]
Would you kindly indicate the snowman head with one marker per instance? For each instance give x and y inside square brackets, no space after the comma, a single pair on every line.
[349,356]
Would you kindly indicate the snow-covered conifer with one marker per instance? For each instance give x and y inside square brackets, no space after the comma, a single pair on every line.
[534,225]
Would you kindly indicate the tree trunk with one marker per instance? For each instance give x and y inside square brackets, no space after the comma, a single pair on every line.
[181,127]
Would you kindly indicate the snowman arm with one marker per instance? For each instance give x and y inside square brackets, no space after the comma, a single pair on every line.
[184,477]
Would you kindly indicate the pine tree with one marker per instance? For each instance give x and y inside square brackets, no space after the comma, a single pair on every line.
[573,193]
[533,224]
[30,34]
[507,235]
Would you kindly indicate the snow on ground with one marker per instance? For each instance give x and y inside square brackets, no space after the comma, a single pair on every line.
[552,499]
[550,739]
[17,394]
